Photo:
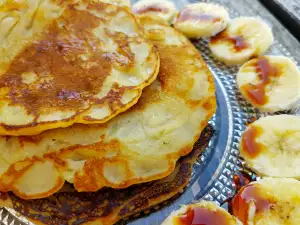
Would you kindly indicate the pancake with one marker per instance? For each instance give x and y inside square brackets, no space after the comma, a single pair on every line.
[63,62]
[108,206]
[140,145]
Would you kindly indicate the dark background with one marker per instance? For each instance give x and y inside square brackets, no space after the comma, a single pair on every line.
[288,12]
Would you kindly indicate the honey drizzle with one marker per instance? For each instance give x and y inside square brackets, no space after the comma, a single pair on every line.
[241,202]
[202,216]
[265,70]
[238,42]
[249,144]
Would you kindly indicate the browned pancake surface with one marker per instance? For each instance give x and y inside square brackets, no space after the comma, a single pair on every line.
[86,65]
[107,206]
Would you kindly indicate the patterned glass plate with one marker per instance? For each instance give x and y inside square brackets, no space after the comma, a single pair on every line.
[212,174]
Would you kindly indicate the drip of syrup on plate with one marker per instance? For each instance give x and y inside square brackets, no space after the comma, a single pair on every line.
[240,179]
[251,120]
[246,195]
[249,196]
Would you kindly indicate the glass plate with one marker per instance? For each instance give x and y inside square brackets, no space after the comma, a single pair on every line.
[212,174]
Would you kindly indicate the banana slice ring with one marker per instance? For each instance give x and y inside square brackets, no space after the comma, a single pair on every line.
[244,38]
[202,20]
[163,10]
[269,201]
[271,146]
[270,83]
[203,212]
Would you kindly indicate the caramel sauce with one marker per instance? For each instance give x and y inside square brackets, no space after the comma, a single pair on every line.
[240,179]
[265,70]
[201,216]
[238,42]
[65,80]
[241,202]
[251,120]
[189,14]
[249,144]
[153,7]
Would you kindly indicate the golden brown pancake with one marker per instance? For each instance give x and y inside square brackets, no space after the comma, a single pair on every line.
[66,62]
[140,145]
[108,206]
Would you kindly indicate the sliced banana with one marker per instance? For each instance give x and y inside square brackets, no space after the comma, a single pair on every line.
[204,212]
[270,83]
[271,146]
[202,20]
[269,201]
[163,10]
[123,3]
[244,38]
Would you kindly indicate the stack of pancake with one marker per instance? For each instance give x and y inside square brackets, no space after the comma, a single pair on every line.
[94,98]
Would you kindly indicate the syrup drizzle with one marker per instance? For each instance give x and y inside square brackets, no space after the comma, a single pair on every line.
[257,93]
[245,193]
[249,144]
[241,202]
[202,216]
[239,43]
[240,179]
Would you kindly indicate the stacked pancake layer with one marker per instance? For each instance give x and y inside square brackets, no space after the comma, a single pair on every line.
[139,145]
[66,62]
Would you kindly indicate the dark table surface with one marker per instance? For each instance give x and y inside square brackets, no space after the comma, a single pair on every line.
[288,12]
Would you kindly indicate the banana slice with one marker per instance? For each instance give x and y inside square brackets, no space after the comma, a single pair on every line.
[123,3]
[271,146]
[270,83]
[269,201]
[158,9]
[202,20]
[204,212]
[244,38]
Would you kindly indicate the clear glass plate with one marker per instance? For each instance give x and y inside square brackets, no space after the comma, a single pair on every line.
[212,174]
